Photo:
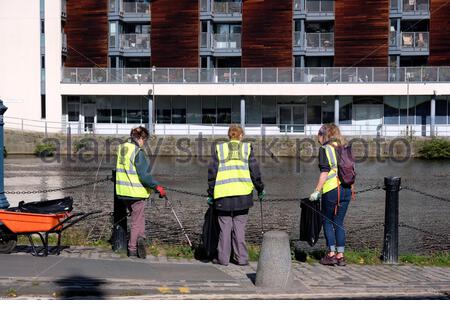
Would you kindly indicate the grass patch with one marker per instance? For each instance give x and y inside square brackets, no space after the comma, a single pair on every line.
[438,259]
[11,293]
[253,252]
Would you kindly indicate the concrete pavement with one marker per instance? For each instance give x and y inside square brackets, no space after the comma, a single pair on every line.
[100,274]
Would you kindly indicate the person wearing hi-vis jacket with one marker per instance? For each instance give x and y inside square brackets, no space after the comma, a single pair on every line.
[233,173]
[134,184]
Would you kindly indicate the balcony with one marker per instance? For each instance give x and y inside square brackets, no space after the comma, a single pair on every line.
[416,7]
[135,42]
[257,75]
[298,39]
[63,9]
[135,8]
[319,41]
[320,7]
[415,41]
[64,43]
[393,39]
[226,41]
[226,8]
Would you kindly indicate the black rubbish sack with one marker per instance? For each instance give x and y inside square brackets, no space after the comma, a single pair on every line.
[47,206]
[210,234]
[310,221]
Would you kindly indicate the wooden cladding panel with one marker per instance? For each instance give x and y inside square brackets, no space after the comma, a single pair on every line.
[439,33]
[267,33]
[87,33]
[361,33]
[175,33]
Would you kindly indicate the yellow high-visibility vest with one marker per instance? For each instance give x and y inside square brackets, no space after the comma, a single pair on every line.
[233,175]
[128,183]
[332,181]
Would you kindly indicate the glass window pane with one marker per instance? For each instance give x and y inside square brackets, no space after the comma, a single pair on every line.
[74,112]
[441,111]
[314,110]
[223,115]
[179,115]
[194,111]
[134,116]
[327,109]
[236,109]
[209,115]
[269,110]
[391,110]
[345,110]
[118,116]
[103,115]
[253,109]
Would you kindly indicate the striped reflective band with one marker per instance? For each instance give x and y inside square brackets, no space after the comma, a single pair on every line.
[130,184]
[228,168]
[233,180]
[331,156]
[222,153]
[331,176]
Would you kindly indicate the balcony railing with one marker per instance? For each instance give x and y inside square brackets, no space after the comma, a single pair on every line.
[135,42]
[416,7]
[319,41]
[135,7]
[232,8]
[320,6]
[226,41]
[257,75]
[416,41]
[64,42]
[63,9]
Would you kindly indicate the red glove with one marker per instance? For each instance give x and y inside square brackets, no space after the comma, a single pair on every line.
[161,191]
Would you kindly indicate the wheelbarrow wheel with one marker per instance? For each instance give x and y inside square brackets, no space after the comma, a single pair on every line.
[8,240]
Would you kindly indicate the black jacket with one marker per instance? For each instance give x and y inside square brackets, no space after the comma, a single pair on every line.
[235,203]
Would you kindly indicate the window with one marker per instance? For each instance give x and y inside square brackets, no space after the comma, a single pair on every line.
[223,115]
[118,116]
[73,112]
[269,110]
[179,115]
[209,115]
[345,110]
[391,110]
[103,115]
[134,115]
[163,109]
[314,110]
[441,110]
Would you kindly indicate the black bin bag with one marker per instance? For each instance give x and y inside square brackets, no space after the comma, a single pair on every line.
[210,234]
[310,221]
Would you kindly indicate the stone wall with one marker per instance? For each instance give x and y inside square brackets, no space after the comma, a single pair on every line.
[21,142]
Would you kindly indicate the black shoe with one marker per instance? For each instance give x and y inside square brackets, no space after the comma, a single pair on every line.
[216,261]
[132,254]
[328,261]
[239,263]
[341,262]
[141,248]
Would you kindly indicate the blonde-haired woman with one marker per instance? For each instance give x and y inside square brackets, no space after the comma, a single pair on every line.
[335,196]
[233,173]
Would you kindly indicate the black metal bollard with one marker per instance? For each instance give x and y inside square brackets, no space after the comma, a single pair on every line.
[119,231]
[390,246]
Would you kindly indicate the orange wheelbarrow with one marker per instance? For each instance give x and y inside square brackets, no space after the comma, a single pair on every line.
[41,218]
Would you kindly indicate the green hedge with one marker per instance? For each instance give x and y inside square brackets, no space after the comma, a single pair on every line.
[44,150]
[435,148]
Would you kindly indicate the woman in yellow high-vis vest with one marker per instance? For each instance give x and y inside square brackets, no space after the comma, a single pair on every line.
[335,196]
[134,183]
[233,173]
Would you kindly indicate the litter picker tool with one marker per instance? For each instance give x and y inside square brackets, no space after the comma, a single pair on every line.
[262,217]
[169,203]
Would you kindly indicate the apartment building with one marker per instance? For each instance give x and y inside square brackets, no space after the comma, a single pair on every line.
[189,66]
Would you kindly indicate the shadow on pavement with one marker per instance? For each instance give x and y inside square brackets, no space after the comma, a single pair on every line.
[80,287]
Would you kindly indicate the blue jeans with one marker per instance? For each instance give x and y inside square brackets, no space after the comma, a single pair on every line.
[333,225]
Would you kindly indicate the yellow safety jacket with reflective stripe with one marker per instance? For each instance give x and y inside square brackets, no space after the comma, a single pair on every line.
[128,183]
[332,181]
[233,175]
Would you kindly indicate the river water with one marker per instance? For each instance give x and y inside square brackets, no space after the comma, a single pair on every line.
[426,223]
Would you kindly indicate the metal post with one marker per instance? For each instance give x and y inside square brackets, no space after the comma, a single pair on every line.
[242,112]
[119,231]
[336,110]
[390,247]
[3,201]
[433,115]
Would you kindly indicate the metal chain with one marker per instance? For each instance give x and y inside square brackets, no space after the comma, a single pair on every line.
[368,189]
[404,225]
[425,194]
[60,189]
[375,225]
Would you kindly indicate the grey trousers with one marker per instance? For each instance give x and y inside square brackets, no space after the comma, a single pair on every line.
[232,234]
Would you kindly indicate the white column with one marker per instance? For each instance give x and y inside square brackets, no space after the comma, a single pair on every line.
[433,115]
[242,112]
[336,110]
[150,113]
